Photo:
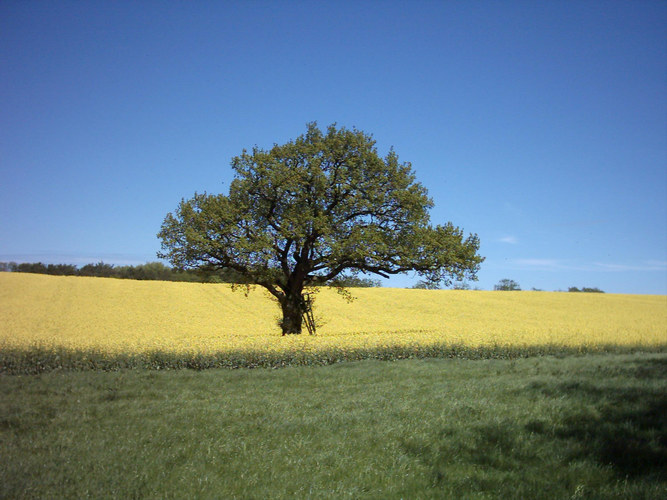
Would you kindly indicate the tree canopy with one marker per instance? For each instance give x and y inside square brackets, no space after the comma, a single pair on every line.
[306,212]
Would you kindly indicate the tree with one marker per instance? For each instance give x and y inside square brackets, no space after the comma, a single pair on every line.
[585,290]
[507,285]
[8,267]
[62,269]
[100,270]
[32,267]
[426,285]
[345,281]
[461,285]
[305,212]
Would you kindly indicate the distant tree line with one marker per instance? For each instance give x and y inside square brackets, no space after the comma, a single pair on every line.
[511,285]
[154,271]
[585,290]
[161,272]
[455,285]
[349,281]
[148,271]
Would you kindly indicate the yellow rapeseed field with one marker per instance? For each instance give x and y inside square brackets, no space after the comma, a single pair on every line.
[117,316]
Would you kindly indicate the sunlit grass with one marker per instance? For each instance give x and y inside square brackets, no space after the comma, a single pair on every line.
[541,428]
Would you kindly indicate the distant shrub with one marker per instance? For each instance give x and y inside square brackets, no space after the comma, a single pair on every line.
[62,270]
[507,285]
[100,269]
[349,281]
[8,267]
[426,285]
[36,267]
[585,290]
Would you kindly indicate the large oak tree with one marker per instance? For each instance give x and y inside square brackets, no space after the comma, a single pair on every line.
[306,212]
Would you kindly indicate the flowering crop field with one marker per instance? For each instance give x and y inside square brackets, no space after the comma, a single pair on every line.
[208,324]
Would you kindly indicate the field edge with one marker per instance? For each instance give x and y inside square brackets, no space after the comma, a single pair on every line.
[40,359]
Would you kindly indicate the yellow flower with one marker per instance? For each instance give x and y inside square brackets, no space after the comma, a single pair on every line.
[120,316]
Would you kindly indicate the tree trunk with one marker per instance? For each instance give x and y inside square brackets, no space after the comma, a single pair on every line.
[292,306]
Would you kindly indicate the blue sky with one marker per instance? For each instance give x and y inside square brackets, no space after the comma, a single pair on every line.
[540,126]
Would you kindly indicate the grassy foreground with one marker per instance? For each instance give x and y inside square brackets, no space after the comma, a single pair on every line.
[588,426]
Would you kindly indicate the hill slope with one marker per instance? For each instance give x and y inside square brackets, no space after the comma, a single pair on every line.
[140,316]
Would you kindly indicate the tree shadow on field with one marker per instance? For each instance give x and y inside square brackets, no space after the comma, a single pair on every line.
[617,421]
[627,430]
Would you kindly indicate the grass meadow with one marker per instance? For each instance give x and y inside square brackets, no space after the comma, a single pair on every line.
[402,394]
[588,427]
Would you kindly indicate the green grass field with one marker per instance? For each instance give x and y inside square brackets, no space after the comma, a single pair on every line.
[589,426]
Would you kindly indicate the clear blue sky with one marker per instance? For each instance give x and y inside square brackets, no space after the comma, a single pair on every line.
[540,126]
